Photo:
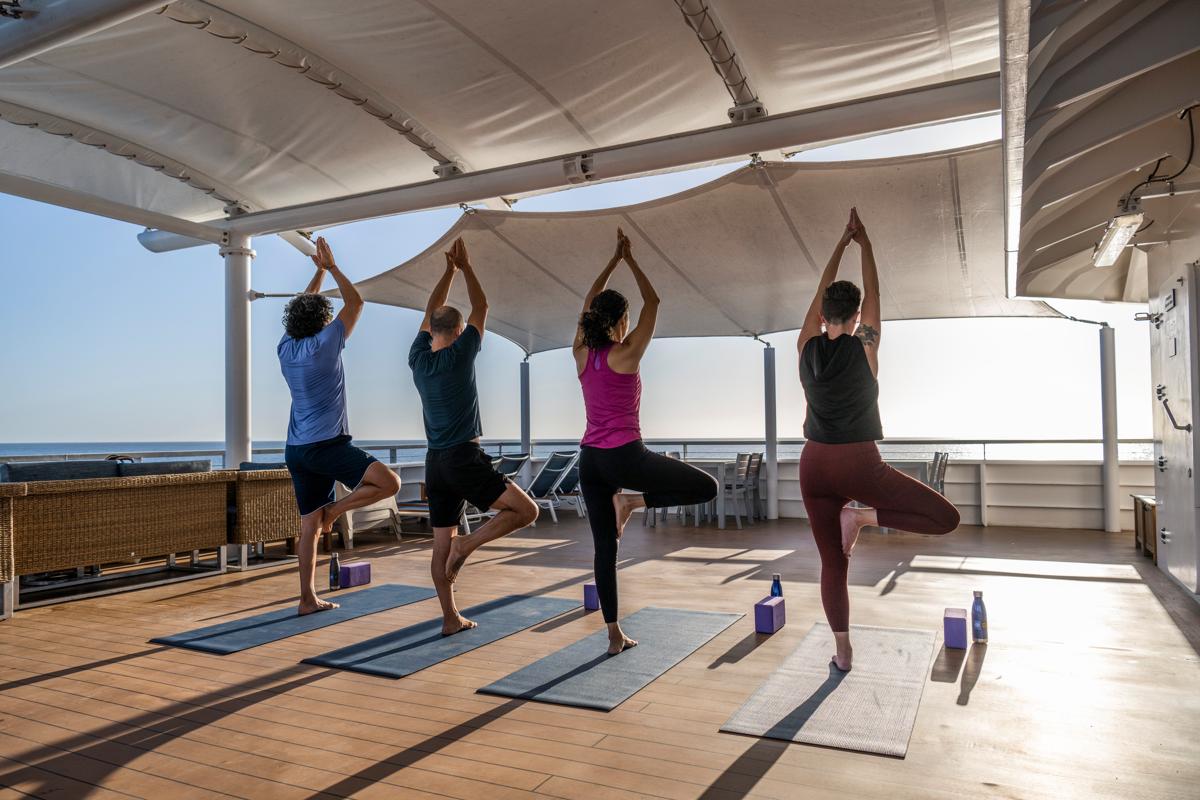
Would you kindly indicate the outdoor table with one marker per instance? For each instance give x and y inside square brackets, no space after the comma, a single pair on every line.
[721,469]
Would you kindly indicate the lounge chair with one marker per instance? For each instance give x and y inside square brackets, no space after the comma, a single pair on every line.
[552,473]
[380,514]
[568,490]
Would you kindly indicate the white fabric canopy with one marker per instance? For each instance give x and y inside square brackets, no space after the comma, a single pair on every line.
[741,255]
[1093,102]
[271,103]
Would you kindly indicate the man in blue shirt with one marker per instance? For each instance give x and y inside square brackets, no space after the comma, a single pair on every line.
[318,449]
[457,470]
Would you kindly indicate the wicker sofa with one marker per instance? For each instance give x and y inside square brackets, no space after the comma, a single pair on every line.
[109,513]
[264,511]
[7,494]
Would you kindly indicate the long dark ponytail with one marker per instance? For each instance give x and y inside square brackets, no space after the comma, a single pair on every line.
[602,316]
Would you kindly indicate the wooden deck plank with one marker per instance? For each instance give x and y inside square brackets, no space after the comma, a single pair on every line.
[1050,712]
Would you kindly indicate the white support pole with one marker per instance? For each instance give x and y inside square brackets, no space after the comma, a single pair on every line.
[526,432]
[238,256]
[771,431]
[1108,411]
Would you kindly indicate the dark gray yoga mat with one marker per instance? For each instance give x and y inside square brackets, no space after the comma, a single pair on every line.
[416,647]
[242,634]
[583,674]
[871,709]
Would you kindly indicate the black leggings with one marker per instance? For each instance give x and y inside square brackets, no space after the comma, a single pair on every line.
[662,481]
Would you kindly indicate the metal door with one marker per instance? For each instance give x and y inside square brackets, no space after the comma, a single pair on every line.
[1173,349]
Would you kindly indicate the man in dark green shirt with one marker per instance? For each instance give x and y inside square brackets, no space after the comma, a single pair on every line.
[457,470]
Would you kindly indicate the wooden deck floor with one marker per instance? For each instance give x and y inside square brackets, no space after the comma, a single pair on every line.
[1090,687]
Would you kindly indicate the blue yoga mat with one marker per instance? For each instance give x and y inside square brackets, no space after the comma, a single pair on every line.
[584,675]
[416,647]
[242,634]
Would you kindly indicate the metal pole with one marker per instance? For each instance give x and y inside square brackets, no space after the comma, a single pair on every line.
[1108,412]
[526,438]
[238,256]
[771,431]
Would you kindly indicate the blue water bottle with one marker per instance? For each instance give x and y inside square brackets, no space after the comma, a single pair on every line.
[979,619]
[776,586]
[335,572]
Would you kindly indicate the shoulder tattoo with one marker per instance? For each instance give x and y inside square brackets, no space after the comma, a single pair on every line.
[868,334]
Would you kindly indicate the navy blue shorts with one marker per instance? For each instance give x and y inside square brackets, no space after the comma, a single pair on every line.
[457,474]
[315,467]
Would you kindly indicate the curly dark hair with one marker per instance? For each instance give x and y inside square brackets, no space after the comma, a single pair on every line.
[602,316]
[307,315]
[840,302]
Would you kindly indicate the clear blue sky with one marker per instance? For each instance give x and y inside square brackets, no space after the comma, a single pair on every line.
[105,341]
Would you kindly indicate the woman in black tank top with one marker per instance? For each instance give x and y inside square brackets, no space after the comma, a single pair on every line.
[839,362]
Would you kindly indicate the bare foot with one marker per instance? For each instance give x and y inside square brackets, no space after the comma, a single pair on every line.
[458,625]
[624,505]
[327,520]
[457,557]
[852,525]
[619,643]
[313,606]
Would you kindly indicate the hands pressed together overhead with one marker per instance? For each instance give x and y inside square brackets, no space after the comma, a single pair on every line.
[855,230]
[456,256]
[323,258]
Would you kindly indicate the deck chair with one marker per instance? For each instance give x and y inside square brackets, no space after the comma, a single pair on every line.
[383,513]
[510,465]
[568,490]
[553,470]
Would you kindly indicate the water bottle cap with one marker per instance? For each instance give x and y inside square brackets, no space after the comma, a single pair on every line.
[775,576]
[979,594]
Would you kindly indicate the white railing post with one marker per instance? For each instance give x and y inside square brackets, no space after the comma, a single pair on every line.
[1108,410]
[771,431]
[238,256]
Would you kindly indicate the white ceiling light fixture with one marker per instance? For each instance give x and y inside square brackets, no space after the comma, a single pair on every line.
[1118,233]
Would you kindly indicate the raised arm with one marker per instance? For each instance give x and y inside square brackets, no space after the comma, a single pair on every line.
[479,303]
[440,292]
[600,284]
[352,302]
[631,352]
[812,320]
[869,322]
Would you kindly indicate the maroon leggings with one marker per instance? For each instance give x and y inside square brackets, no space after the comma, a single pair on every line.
[832,475]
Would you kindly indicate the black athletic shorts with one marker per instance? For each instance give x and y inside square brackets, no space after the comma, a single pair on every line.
[316,466]
[457,474]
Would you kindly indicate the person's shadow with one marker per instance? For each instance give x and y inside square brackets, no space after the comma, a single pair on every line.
[791,724]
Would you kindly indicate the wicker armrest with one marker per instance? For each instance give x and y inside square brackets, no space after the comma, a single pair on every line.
[262,474]
[13,489]
[117,484]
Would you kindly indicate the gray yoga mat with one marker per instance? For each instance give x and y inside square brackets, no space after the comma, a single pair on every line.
[416,647]
[242,634]
[871,709]
[583,674]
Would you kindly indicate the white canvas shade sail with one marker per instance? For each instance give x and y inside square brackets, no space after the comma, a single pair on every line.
[741,255]
[1093,95]
[186,107]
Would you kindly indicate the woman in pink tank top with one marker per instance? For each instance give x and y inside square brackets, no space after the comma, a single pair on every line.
[612,456]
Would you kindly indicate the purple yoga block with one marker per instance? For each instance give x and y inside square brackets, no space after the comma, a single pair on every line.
[591,598]
[954,625]
[356,573]
[769,615]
